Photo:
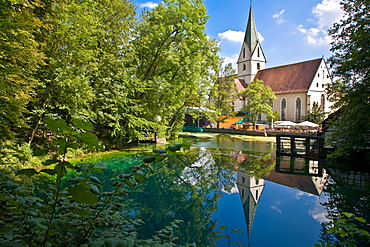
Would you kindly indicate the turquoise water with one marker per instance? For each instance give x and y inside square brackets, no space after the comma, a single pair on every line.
[229,187]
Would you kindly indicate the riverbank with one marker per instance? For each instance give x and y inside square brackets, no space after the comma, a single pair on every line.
[265,133]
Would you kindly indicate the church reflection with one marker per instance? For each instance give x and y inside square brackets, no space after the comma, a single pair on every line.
[303,174]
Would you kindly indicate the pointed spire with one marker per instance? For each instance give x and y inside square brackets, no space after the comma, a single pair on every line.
[251,34]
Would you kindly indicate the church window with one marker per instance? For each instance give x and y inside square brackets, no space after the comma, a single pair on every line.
[256,195]
[243,52]
[283,110]
[298,109]
[323,102]
[258,66]
[258,52]
[318,75]
[317,84]
[243,180]
[244,68]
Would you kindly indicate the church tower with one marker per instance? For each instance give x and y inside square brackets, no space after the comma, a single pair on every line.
[251,58]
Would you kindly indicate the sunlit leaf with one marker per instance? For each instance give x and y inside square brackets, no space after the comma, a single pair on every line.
[49,171]
[140,177]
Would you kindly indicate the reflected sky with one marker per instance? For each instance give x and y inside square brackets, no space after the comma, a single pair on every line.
[284,217]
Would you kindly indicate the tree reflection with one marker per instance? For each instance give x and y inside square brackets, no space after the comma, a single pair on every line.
[185,187]
[347,191]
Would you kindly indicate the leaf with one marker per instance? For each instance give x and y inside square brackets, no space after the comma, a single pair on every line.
[95,190]
[90,139]
[161,151]
[60,170]
[79,124]
[140,177]
[50,162]
[80,194]
[49,171]
[41,152]
[149,159]
[95,180]
[81,212]
[27,172]
[160,157]
[174,148]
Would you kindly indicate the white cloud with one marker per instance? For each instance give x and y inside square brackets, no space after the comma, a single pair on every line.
[279,19]
[315,36]
[236,36]
[148,5]
[231,35]
[326,14]
[276,209]
[231,60]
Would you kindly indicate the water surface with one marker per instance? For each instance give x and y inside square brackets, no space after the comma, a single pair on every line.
[230,188]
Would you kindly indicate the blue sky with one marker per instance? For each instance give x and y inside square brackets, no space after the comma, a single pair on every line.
[290,30]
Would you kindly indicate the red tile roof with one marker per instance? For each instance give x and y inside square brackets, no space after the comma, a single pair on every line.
[292,78]
[240,85]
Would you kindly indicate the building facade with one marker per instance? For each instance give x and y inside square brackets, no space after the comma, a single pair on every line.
[297,86]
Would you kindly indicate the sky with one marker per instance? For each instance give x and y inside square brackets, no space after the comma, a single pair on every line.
[290,31]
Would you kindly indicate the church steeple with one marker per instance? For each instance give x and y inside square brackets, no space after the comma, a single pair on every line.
[251,34]
[251,58]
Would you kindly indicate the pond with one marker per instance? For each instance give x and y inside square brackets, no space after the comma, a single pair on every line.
[232,191]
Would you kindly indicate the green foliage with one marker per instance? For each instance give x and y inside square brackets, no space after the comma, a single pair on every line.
[227,233]
[20,58]
[66,205]
[316,115]
[173,61]
[260,100]
[346,226]
[351,63]
[224,92]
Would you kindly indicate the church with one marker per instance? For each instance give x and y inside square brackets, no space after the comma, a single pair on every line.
[297,86]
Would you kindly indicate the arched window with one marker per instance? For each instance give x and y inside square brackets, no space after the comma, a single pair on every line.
[258,66]
[244,66]
[283,110]
[298,109]
[258,52]
[323,102]
[243,52]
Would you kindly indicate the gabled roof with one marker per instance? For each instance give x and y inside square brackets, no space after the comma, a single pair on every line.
[292,78]
[251,34]
[240,85]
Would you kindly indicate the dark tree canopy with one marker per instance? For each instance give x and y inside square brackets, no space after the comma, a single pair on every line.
[351,64]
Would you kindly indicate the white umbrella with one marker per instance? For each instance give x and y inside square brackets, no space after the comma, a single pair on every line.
[308,124]
[285,124]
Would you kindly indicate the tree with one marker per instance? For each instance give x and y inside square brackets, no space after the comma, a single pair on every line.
[351,63]
[20,59]
[174,60]
[316,115]
[85,76]
[224,92]
[260,100]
